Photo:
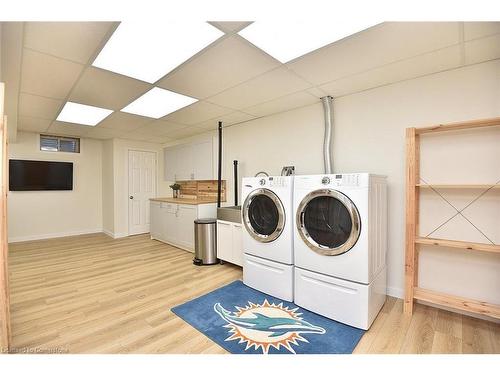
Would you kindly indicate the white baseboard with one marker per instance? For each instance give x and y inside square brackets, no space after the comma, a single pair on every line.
[53,235]
[395,292]
[108,233]
[114,235]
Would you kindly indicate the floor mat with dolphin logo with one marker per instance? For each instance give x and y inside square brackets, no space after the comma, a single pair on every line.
[245,321]
[267,325]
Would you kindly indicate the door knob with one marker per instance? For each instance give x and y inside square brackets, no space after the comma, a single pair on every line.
[131,197]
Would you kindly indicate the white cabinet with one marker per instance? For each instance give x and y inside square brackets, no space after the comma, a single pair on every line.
[191,161]
[186,215]
[169,222]
[229,242]
[170,162]
[174,223]
[156,219]
[224,241]
[237,244]
[202,161]
[184,165]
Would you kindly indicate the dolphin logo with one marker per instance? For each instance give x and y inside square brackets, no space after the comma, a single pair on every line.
[276,326]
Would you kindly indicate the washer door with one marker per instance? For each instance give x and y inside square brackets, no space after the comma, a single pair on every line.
[263,215]
[328,222]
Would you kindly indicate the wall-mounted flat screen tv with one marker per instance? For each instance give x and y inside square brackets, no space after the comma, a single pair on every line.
[32,175]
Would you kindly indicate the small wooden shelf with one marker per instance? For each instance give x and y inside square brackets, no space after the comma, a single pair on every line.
[451,186]
[464,304]
[459,244]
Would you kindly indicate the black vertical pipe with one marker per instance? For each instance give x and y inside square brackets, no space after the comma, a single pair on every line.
[219,178]
[235,166]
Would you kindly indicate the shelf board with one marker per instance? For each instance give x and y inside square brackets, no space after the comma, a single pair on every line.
[464,304]
[457,186]
[459,244]
[459,126]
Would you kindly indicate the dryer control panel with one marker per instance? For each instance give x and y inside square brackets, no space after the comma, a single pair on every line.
[351,179]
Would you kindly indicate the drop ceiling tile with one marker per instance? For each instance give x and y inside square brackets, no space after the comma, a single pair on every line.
[230,27]
[474,30]
[229,62]
[159,128]
[271,85]
[285,103]
[316,92]
[124,121]
[76,41]
[32,124]
[160,139]
[379,45]
[166,128]
[483,49]
[105,89]
[446,58]
[104,133]
[137,136]
[230,119]
[67,128]
[38,106]
[196,113]
[48,76]
[186,132]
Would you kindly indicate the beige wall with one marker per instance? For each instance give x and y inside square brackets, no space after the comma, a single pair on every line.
[99,201]
[369,137]
[45,214]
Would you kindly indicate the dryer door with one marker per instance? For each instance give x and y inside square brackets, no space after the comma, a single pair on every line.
[263,215]
[328,222]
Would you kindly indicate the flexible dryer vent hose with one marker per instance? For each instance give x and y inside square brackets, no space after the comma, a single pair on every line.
[328,111]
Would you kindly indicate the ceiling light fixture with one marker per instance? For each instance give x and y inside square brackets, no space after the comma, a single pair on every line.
[289,39]
[83,114]
[158,102]
[149,50]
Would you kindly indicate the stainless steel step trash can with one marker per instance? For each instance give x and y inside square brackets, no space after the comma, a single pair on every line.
[205,242]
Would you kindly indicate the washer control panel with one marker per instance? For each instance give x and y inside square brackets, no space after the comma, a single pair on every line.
[277,181]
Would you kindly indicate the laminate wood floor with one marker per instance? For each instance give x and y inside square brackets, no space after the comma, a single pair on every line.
[95,294]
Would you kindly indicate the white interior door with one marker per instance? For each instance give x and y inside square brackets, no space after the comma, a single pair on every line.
[141,187]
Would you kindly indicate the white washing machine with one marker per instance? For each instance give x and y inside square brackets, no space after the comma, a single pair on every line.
[267,215]
[340,244]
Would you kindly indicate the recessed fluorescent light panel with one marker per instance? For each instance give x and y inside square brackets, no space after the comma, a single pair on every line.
[83,114]
[149,50]
[157,103]
[287,40]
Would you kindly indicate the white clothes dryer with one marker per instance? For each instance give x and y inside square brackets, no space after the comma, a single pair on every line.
[340,244]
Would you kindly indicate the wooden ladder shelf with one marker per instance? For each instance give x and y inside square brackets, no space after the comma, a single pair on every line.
[413,186]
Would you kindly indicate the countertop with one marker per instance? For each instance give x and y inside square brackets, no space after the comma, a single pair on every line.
[183,200]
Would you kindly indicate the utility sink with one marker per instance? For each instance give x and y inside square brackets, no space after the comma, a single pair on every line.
[231,213]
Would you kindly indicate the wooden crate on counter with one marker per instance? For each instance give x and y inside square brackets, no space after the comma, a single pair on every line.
[201,189]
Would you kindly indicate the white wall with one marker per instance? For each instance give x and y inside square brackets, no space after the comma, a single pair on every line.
[369,136]
[44,214]
[108,186]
